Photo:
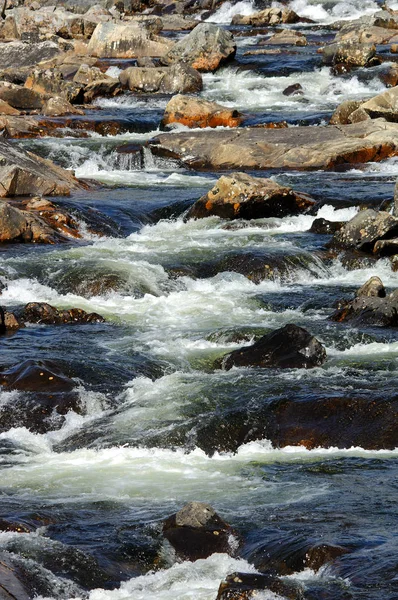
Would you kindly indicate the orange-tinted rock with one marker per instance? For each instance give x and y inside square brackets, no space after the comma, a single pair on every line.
[195,112]
[7,109]
[291,147]
[241,196]
[205,48]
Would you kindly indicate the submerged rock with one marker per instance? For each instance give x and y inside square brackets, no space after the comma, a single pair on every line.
[261,265]
[286,148]
[13,581]
[206,48]
[290,347]
[241,196]
[46,396]
[195,112]
[36,376]
[338,421]
[197,531]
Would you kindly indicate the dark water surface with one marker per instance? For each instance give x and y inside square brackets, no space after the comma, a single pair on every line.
[94,486]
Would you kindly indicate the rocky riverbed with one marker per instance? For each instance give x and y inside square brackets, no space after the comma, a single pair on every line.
[198,299]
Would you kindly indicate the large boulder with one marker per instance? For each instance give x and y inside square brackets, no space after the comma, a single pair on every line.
[179,78]
[353,54]
[290,347]
[195,112]
[45,82]
[16,55]
[20,97]
[197,531]
[383,105]
[126,40]
[241,196]
[288,148]
[25,174]
[39,221]
[205,48]
[268,16]
[364,230]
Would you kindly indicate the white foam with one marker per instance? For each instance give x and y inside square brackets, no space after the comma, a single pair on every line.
[197,580]
[228,10]
[248,90]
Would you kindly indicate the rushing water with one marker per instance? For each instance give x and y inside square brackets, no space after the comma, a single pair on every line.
[95,486]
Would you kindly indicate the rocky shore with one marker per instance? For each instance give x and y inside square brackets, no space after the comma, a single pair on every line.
[67,72]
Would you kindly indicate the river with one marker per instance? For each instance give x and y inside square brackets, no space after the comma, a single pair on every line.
[100,482]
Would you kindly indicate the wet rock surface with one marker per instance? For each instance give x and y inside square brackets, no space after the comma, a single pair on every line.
[206,48]
[290,347]
[290,148]
[194,112]
[24,174]
[240,196]
[197,531]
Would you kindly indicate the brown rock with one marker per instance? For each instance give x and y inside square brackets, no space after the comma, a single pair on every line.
[176,79]
[25,174]
[13,223]
[106,88]
[343,112]
[349,53]
[205,48]
[240,196]
[287,37]
[40,312]
[51,82]
[21,98]
[58,107]
[126,40]
[364,230]
[290,347]
[197,531]
[268,16]
[195,112]
[292,147]
[372,288]
[7,109]
[244,586]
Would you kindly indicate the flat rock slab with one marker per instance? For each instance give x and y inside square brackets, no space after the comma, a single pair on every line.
[289,148]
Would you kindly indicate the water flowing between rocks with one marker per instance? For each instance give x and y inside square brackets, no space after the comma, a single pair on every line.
[94,487]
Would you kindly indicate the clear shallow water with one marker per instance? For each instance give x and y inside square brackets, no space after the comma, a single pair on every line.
[100,482]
